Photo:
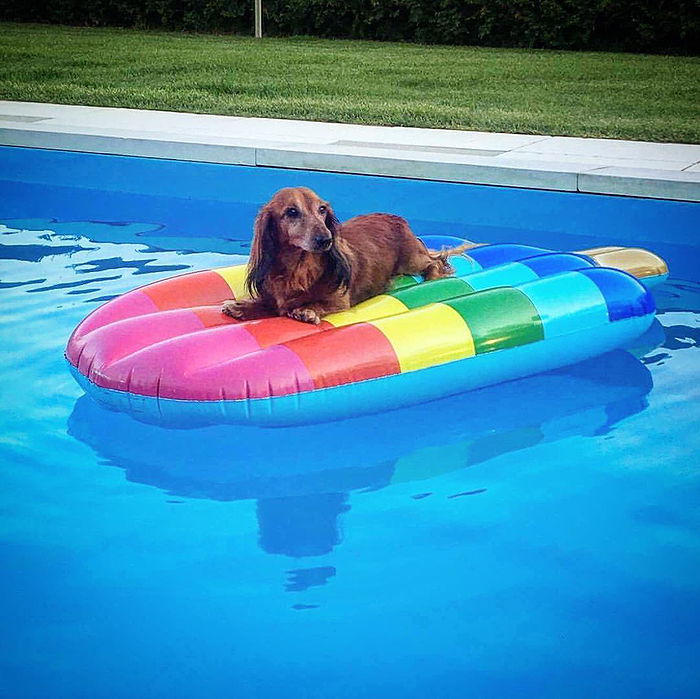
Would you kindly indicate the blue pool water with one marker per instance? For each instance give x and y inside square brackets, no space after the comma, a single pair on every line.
[538,538]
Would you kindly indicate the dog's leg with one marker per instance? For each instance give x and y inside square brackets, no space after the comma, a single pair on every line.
[433,264]
[440,260]
[430,265]
[436,269]
[246,309]
[305,314]
[314,312]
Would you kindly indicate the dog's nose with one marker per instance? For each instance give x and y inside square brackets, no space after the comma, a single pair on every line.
[322,242]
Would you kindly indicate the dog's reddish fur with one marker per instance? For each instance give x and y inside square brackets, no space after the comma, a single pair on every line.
[304,264]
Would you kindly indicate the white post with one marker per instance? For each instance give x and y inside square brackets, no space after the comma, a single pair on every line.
[258,19]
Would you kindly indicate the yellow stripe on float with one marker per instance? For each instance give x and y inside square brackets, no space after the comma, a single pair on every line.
[235,277]
[376,307]
[427,336]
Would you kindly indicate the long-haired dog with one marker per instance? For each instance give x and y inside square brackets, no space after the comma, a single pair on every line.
[304,264]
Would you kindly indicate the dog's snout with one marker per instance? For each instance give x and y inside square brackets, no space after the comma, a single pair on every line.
[322,241]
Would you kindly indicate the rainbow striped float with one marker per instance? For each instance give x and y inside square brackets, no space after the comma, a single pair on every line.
[166,354]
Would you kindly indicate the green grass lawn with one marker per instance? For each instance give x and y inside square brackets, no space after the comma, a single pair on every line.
[525,91]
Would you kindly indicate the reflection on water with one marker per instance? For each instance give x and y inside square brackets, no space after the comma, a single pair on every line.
[301,525]
[678,295]
[303,477]
[681,337]
[676,299]
[85,259]
[304,578]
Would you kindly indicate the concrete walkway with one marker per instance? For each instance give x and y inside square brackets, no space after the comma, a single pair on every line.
[628,168]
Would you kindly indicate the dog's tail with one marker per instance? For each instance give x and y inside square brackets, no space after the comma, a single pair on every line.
[442,256]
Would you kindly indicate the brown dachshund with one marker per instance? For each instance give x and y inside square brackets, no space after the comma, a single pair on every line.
[304,264]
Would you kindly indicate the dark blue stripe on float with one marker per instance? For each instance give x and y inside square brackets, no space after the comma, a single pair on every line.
[556,263]
[624,295]
[492,255]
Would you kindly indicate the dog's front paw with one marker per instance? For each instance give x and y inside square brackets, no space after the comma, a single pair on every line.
[305,315]
[234,309]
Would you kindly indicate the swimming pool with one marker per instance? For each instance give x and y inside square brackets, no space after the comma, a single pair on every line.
[538,538]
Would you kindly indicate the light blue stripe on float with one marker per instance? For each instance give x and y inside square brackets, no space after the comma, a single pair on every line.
[463,265]
[509,274]
[567,303]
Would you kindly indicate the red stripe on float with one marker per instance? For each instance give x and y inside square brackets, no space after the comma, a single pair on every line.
[267,331]
[275,331]
[197,289]
[346,355]
[212,317]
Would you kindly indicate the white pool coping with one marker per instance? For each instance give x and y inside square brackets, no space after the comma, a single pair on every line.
[592,165]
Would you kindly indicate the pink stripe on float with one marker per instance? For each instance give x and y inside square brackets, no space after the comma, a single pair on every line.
[170,369]
[110,343]
[134,303]
[273,371]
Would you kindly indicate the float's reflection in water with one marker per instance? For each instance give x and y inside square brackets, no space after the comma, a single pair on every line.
[302,477]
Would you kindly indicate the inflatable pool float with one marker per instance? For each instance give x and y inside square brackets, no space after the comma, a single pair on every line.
[165,353]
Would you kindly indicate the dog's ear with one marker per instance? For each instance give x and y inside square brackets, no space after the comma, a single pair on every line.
[263,251]
[339,269]
[332,223]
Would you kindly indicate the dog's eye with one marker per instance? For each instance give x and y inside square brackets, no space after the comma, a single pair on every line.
[292,212]
[322,209]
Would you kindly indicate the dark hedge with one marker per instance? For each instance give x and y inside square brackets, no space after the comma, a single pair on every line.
[654,26]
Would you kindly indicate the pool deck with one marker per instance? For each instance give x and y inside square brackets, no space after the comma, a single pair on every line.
[591,165]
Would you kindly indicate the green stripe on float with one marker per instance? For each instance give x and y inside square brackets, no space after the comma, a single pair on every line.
[499,318]
[431,292]
[401,282]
